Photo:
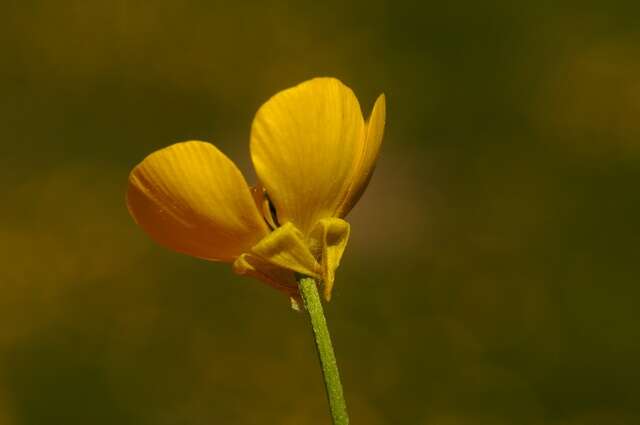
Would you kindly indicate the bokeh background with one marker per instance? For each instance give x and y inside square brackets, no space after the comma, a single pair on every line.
[493,271]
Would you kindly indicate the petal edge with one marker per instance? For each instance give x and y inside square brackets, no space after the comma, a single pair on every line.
[367,163]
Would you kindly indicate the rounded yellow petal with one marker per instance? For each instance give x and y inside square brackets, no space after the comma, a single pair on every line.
[191,198]
[371,149]
[306,142]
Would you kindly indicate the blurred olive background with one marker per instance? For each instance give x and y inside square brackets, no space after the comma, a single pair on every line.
[492,276]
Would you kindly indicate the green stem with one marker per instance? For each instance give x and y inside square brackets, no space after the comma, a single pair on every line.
[313,305]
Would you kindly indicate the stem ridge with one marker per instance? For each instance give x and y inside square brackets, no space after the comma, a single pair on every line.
[333,386]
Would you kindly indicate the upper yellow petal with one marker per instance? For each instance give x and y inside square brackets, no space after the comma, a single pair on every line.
[305,144]
[191,198]
[367,163]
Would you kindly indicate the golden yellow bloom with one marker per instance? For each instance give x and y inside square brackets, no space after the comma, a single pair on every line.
[313,154]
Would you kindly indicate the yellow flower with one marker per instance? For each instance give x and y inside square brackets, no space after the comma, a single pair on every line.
[313,154]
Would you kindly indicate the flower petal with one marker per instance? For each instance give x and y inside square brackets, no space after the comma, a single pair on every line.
[364,171]
[305,142]
[329,237]
[191,198]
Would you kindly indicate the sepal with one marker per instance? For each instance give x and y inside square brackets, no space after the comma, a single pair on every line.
[278,257]
[328,240]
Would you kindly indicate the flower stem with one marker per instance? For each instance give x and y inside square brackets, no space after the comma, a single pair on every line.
[313,305]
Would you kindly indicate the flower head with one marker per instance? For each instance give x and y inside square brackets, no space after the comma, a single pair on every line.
[313,154]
